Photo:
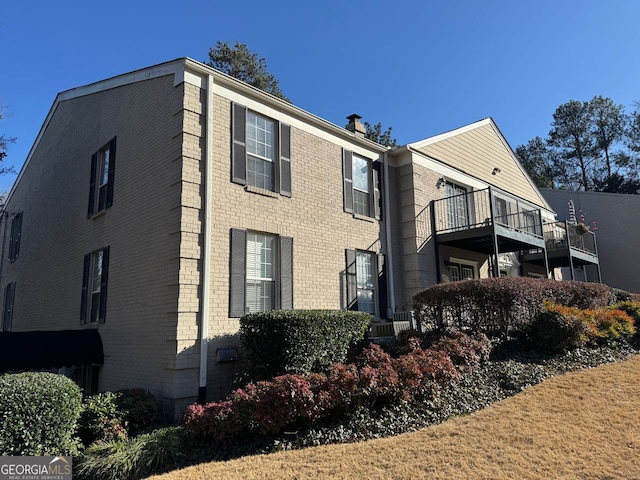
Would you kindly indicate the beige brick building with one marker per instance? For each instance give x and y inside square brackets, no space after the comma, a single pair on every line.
[159,206]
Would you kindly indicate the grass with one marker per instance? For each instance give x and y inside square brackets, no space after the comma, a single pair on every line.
[581,425]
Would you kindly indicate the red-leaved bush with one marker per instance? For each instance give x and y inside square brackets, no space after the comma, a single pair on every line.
[289,401]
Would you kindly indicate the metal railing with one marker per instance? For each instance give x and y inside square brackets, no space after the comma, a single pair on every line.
[481,208]
[560,235]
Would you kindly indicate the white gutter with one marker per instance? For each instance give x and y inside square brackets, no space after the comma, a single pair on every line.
[387,224]
[206,248]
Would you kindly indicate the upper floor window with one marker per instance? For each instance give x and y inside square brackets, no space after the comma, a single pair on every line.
[261,272]
[16,233]
[94,286]
[361,180]
[261,155]
[102,176]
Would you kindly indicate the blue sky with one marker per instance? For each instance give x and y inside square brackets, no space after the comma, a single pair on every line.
[422,67]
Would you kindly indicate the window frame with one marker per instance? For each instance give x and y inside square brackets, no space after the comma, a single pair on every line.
[282,264]
[103,164]
[93,304]
[266,258]
[373,185]
[460,265]
[379,282]
[453,204]
[240,155]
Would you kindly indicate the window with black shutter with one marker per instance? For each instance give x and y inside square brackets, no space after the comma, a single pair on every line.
[16,233]
[261,276]
[94,286]
[103,164]
[261,151]
[361,185]
[366,282]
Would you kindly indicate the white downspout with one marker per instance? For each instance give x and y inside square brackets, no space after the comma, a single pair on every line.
[387,224]
[206,248]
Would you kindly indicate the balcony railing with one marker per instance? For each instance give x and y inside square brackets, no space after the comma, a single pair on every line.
[561,235]
[481,208]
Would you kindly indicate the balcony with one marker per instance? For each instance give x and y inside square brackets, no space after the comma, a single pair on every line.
[565,246]
[488,221]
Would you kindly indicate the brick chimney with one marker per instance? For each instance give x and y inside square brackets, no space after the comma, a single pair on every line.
[355,126]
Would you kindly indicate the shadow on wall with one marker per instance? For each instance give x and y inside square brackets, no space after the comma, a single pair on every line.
[223,368]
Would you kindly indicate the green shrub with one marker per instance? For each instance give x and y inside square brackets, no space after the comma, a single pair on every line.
[611,325]
[632,309]
[278,342]
[617,296]
[101,419]
[139,457]
[500,304]
[558,329]
[139,410]
[38,414]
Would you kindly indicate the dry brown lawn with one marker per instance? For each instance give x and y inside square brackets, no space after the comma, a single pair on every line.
[582,425]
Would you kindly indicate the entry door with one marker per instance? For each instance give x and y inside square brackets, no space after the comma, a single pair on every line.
[457,211]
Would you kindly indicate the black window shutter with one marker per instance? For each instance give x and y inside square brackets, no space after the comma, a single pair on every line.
[382,286]
[9,297]
[92,184]
[286,273]
[375,198]
[347,176]
[85,288]
[112,169]
[239,146]
[285,160]
[103,285]
[238,264]
[352,280]
[16,232]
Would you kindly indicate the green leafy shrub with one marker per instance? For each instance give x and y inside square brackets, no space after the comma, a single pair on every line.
[617,296]
[279,342]
[38,414]
[101,419]
[558,329]
[632,309]
[500,304]
[139,410]
[138,457]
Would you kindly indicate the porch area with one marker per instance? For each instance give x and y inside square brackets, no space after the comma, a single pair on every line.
[488,221]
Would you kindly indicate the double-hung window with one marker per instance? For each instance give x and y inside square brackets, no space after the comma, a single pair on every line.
[103,164]
[261,272]
[361,183]
[365,276]
[16,234]
[261,151]
[94,286]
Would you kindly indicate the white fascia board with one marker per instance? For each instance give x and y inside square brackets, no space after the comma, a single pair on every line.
[174,67]
[450,133]
[260,102]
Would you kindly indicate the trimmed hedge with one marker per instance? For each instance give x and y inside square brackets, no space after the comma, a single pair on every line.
[500,304]
[278,342]
[38,414]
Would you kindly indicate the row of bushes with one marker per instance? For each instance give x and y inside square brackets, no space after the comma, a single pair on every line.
[44,414]
[501,304]
[560,328]
[374,379]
